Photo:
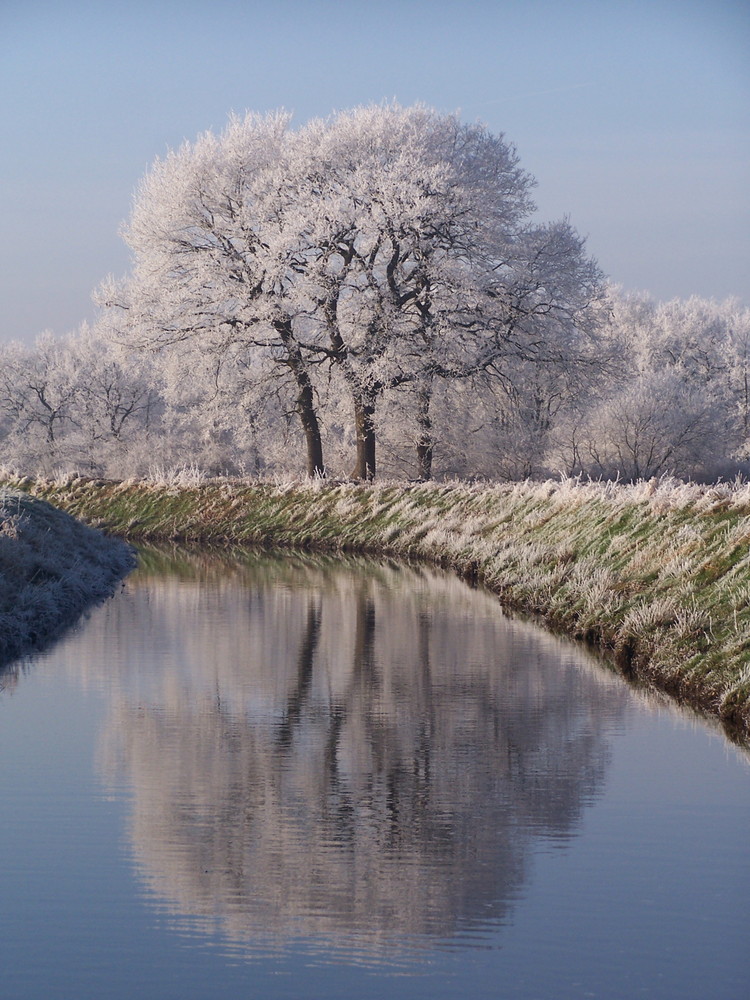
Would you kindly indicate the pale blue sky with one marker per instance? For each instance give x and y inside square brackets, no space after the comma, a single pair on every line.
[633,116]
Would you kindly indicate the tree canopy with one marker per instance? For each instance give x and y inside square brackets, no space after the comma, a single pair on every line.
[383,248]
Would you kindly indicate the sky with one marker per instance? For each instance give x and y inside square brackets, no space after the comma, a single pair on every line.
[634,118]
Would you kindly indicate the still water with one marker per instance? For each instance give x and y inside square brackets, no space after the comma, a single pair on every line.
[292,777]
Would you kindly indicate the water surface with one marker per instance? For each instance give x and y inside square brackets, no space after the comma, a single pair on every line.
[303,777]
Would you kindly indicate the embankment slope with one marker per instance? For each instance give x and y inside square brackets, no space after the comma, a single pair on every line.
[52,567]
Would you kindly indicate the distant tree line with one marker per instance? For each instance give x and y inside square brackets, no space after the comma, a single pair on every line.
[672,397]
[370,293]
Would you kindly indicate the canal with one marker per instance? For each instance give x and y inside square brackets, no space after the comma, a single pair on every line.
[294,777]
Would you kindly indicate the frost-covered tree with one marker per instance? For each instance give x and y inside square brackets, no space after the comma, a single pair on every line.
[737,360]
[75,402]
[118,397]
[430,267]
[677,398]
[217,233]
[389,245]
[39,390]
[655,424]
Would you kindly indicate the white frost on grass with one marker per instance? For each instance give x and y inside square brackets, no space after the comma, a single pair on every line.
[187,476]
[52,567]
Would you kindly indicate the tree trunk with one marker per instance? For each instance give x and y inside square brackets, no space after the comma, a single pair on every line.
[364,420]
[305,398]
[424,437]
[310,425]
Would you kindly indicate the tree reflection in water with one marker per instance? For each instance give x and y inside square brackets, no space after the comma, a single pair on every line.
[357,753]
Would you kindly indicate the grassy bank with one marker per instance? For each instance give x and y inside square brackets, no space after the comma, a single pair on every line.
[656,573]
[52,568]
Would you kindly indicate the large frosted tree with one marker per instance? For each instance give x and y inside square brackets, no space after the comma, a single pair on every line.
[386,246]
[428,264]
[217,234]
